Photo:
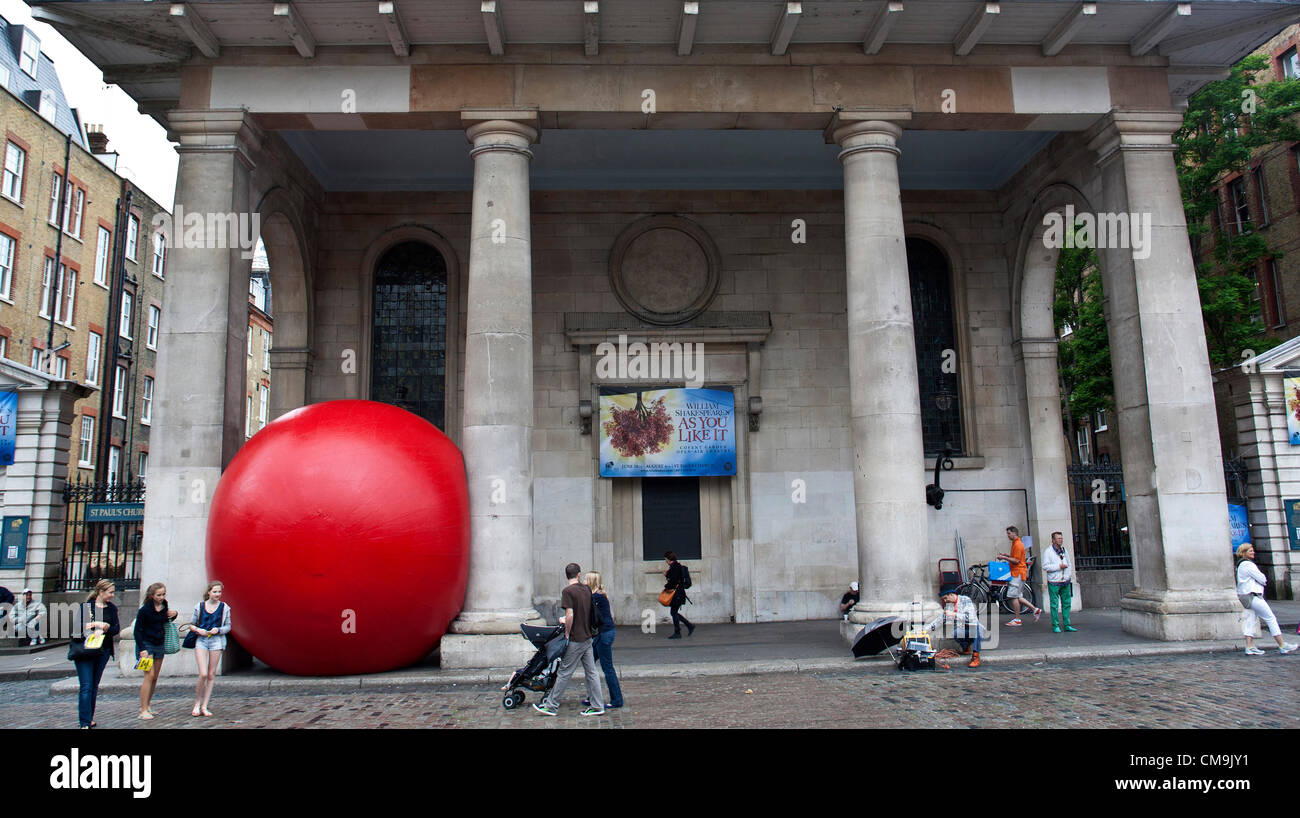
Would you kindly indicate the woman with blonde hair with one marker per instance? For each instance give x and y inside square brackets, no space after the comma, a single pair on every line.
[211,622]
[604,646]
[1250,591]
[150,634]
[99,617]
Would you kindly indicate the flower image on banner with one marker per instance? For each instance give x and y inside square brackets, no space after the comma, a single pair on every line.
[667,432]
[1291,396]
[8,422]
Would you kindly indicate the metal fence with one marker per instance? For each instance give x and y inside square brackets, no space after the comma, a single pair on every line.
[1099,517]
[105,527]
[1236,478]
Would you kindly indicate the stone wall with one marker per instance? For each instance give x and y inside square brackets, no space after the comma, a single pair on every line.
[1104,589]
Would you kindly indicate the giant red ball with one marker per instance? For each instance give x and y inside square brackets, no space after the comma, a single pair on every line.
[341,534]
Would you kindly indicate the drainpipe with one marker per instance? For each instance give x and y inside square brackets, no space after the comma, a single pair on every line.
[55,275]
[117,281]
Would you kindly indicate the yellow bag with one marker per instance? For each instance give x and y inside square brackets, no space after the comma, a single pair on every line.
[95,640]
[145,664]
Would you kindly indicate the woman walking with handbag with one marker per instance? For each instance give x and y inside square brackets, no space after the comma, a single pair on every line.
[605,639]
[209,628]
[678,580]
[151,625]
[91,652]
[1250,591]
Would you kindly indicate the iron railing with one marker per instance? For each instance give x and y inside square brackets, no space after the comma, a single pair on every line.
[95,550]
[1099,516]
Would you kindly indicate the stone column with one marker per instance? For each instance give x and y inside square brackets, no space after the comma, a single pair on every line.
[498,413]
[290,379]
[1173,469]
[1049,495]
[885,409]
[198,412]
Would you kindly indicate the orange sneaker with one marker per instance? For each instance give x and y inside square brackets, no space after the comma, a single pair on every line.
[975,660]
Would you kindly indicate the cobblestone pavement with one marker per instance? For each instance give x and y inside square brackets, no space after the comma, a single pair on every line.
[1182,691]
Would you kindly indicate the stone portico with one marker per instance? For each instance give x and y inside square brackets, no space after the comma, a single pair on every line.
[806,169]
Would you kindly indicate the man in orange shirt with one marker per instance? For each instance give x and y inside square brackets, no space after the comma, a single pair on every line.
[1019,576]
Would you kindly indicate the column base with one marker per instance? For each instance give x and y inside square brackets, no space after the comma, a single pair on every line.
[496,622]
[1181,616]
[484,650]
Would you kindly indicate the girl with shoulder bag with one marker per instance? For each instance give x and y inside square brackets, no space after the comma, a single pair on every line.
[90,652]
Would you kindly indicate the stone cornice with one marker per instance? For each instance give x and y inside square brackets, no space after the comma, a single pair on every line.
[1132,131]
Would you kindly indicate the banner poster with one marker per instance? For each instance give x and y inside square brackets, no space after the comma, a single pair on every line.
[1238,525]
[1291,397]
[667,432]
[8,422]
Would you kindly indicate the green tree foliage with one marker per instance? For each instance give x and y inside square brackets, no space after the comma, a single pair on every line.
[1083,355]
[1224,123]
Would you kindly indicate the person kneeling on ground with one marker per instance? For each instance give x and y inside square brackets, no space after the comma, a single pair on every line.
[961,612]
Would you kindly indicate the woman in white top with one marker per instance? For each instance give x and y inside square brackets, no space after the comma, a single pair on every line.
[1250,588]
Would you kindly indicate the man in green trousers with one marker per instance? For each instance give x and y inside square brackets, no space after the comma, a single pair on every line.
[1056,564]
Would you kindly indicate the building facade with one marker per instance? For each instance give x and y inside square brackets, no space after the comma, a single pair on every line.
[843,202]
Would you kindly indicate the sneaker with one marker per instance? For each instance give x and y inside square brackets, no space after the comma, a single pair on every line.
[975,660]
[1015,623]
[1055,629]
[1071,629]
[591,711]
[1254,652]
[545,711]
[1037,613]
[1287,648]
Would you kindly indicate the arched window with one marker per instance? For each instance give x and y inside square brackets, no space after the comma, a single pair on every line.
[936,347]
[409,339]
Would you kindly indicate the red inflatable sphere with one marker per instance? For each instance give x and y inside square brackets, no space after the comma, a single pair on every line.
[341,533]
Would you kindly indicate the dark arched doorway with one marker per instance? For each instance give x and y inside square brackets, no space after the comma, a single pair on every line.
[409,333]
[936,347]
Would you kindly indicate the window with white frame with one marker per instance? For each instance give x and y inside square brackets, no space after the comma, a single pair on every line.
[87,440]
[146,407]
[31,53]
[65,292]
[61,368]
[4,75]
[1258,174]
[248,418]
[159,253]
[1277,293]
[250,340]
[1291,64]
[266,352]
[56,186]
[69,202]
[69,279]
[114,464]
[119,393]
[48,106]
[264,397]
[124,320]
[1101,421]
[15,162]
[93,348]
[8,249]
[155,319]
[4,347]
[1240,205]
[132,236]
[102,249]
[78,209]
[144,465]
[36,358]
[1084,439]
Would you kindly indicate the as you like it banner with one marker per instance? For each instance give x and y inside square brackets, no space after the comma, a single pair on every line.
[667,432]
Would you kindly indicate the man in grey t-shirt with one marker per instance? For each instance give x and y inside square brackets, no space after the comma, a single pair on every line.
[576,601]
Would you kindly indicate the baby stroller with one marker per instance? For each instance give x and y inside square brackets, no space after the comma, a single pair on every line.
[539,674]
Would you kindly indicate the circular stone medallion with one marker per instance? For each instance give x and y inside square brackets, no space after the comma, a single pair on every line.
[664,269]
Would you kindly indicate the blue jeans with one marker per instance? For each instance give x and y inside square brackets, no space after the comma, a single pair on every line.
[89,672]
[605,655]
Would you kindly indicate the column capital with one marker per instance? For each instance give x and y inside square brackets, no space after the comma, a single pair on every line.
[510,129]
[856,131]
[221,130]
[1132,131]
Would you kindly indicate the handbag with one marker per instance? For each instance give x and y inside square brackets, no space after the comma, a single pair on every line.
[89,647]
[1246,599]
[171,639]
[666,598]
[192,637]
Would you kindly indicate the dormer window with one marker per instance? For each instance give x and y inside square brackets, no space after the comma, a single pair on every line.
[48,106]
[31,53]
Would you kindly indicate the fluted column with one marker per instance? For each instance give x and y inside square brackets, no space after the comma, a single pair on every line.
[885,409]
[498,414]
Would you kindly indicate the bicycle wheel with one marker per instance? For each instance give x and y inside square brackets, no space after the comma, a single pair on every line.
[975,592]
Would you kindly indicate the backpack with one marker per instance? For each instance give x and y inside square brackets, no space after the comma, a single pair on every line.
[595,621]
[686,576]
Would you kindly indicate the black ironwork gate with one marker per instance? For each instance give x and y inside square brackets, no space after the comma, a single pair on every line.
[105,527]
[1099,517]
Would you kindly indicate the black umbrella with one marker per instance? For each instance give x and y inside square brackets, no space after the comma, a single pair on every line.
[878,636]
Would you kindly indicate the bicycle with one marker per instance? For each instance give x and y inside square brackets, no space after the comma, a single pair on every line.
[981,589]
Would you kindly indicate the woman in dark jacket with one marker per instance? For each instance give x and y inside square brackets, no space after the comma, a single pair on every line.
[150,624]
[676,576]
[604,646]
[100,614]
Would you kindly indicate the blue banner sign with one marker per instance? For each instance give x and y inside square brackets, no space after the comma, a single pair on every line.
[667,432]
[8,422]
[13,542]
[114,512]
[1292,508]
[1238,525]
